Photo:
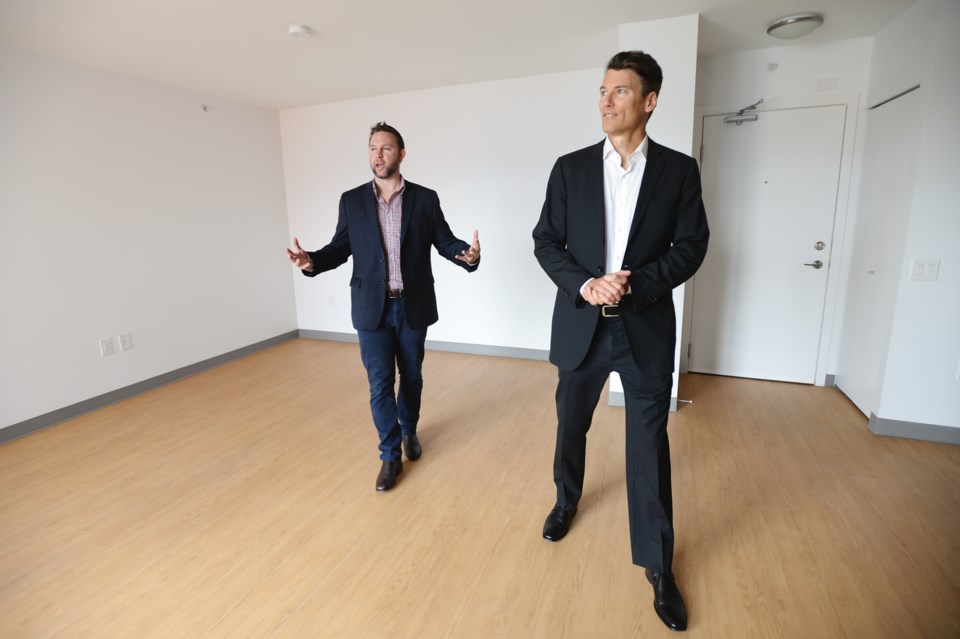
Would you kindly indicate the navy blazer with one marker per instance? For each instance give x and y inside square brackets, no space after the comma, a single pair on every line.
[665,247]
[422,225]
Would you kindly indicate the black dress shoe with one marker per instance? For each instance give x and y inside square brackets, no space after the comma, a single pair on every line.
[558,523]
[667,600]
[387,478]
[411,446]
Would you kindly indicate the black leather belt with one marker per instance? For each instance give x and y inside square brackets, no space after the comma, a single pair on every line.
[613,310]
[610,310]
[394,294]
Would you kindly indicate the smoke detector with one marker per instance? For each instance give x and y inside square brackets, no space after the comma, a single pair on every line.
[299,31]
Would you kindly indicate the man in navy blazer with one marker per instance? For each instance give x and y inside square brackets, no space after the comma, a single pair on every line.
[388,226]
[622,225]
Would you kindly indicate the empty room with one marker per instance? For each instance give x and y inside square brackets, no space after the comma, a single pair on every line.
[458,320]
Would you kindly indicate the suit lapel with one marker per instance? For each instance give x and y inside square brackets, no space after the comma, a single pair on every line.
[651,175]
[595,179]
[406,211]
[372,216]
[596,207]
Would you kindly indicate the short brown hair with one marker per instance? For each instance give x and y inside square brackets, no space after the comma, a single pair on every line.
[651,76]
[386,128]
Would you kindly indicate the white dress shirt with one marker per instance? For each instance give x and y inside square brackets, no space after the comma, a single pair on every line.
[621,188]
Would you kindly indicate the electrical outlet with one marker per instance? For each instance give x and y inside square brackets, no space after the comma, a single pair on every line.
[126,341]
[106,347]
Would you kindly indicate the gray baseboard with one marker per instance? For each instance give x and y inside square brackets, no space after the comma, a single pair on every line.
[329,335]
[617,399]
[914,430]
[449,347]
[23,428]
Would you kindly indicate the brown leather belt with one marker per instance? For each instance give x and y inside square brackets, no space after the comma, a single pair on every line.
[394,294]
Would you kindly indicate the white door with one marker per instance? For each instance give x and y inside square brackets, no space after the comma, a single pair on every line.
[770,190]
[891,150]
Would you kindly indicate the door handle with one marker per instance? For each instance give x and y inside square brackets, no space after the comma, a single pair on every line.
[817,264]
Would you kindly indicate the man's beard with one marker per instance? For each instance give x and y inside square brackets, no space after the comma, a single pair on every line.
[389,170]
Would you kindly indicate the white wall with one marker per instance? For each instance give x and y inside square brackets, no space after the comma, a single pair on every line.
[125,208]
[487,149]
[922,375]
[673,43]
[904,50]
[803,70]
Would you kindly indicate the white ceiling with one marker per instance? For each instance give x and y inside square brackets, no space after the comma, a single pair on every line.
[240,50]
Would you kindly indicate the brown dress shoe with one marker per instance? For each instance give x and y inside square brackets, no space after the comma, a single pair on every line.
[387,478]
[411,446]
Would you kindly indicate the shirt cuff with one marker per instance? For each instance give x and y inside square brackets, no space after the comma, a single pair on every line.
[585,285]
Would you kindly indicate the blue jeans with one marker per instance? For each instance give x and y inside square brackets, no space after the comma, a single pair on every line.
[393,346]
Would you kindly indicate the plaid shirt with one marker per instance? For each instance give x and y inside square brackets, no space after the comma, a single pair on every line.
[389,214]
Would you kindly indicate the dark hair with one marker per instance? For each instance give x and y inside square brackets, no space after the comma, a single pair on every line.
[651,76]
[383,126]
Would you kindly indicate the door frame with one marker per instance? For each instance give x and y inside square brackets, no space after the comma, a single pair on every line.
[840,248]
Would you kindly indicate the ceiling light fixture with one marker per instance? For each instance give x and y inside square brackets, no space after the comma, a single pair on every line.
[299,31]
[795,26]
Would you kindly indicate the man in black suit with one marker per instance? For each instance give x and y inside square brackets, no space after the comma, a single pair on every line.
[622,225]
[388,226]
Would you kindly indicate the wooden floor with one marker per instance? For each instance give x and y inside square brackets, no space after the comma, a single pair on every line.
[240,503]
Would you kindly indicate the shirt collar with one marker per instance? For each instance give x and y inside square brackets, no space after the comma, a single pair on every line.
[640,150]
[376,194]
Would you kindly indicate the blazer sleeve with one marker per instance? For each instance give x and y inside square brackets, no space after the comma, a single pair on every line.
[550,245]
[656,279]
[446,243]
[337,251]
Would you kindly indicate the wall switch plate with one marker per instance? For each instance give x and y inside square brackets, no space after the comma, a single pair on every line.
[106,347]
[126,341]
[924,269]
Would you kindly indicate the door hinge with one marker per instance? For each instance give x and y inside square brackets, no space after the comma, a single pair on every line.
[689,349]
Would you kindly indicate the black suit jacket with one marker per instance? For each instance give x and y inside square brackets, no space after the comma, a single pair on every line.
[665,247]
[358,234]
